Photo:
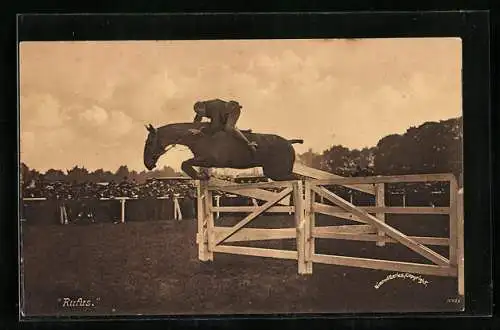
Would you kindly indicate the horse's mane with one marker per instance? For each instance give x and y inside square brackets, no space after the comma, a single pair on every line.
[180,127]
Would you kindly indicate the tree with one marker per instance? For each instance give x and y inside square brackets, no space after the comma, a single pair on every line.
[167,171]
[29,176]
[77,174]
[387,155]
[433,147]
[141,176]
[25,174]
[311,159]
[362,162]
[134,176]
[122,173]
[53,175]
[337,160]
[453,152]
[100,175]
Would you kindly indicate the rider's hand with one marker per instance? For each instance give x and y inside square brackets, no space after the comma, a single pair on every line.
[194,131]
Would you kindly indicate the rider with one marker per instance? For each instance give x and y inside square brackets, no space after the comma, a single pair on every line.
[223,116]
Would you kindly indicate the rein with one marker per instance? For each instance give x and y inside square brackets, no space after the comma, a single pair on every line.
[173,145]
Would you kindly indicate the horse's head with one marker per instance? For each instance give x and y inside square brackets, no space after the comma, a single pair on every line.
[153,149]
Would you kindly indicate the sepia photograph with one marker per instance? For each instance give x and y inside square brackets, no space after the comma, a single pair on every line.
[242,176]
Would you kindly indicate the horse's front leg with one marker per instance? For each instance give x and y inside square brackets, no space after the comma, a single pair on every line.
[187,167]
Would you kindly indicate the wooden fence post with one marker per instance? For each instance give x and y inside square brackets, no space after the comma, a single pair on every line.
[209,220]
[177,209]
[456,252]
[63,214]
[460,243]
[380,202]
[217,203]
[453,223]
[201,237]
[300,225]
[122,201]
[309,198]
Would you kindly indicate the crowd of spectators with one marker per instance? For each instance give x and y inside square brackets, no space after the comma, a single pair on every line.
[154,199]
[89,190]
[87,201]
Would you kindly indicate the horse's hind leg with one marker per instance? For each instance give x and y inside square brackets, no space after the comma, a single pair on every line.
[278,173]
[279,166]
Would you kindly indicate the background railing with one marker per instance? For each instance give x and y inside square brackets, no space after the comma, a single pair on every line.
[52,211]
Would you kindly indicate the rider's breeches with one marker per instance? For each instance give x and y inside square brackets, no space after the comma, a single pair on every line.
[230,125]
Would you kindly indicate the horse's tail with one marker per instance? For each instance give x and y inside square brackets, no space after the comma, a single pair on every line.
[292,141]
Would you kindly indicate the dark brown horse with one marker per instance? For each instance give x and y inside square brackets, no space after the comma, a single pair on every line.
[274,154]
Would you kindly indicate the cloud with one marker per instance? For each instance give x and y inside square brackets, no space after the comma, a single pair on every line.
[41,110]
[44,149]
[27,143]
[119,124]
[423,87]
[107,125]
[396,107]
[144,98]
[95,115]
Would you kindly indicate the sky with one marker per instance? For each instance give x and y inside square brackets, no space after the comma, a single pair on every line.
[86,103]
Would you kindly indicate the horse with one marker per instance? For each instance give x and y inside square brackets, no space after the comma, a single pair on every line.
[275,154]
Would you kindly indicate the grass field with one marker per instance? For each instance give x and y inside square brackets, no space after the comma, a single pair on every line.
[153,268]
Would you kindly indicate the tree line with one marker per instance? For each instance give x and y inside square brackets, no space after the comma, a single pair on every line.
[79,174]
[433,147]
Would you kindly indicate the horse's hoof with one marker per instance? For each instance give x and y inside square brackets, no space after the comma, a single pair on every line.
[203,177]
